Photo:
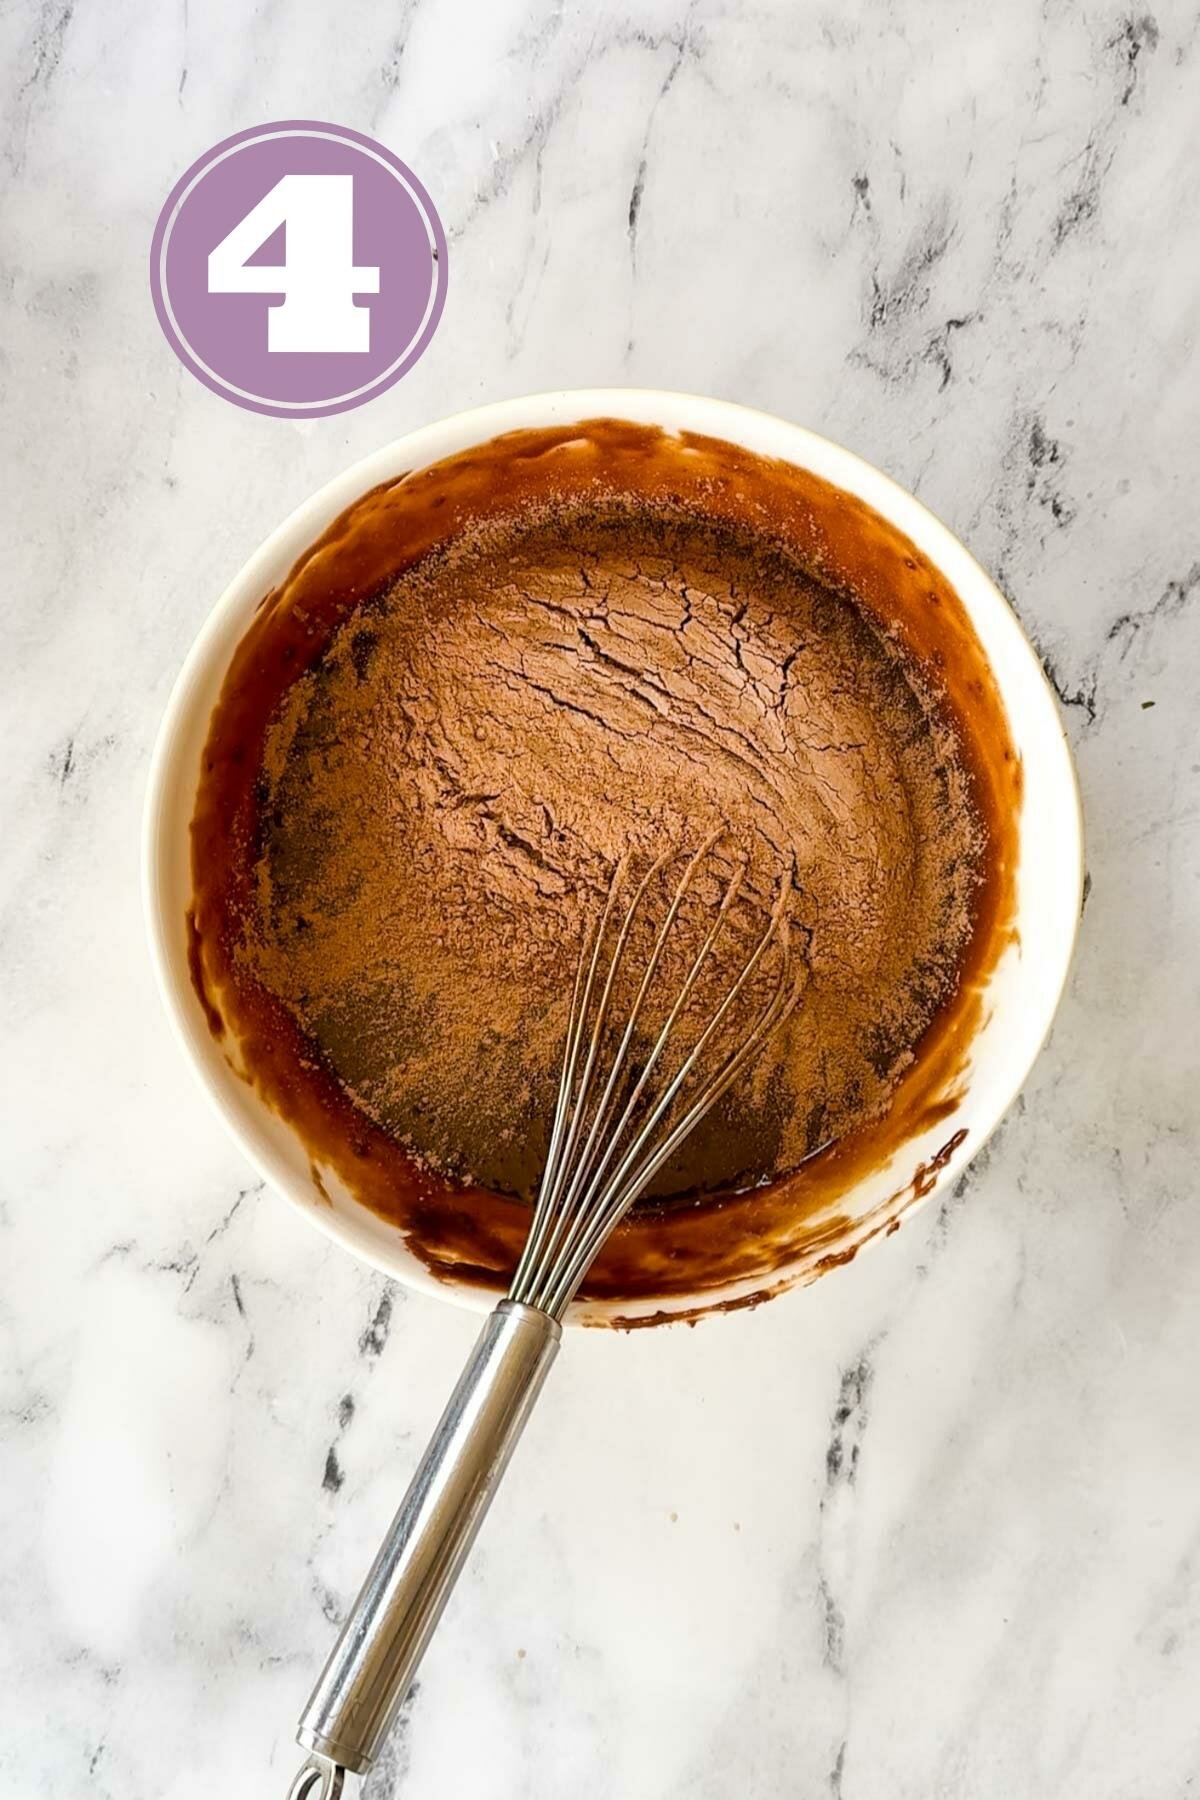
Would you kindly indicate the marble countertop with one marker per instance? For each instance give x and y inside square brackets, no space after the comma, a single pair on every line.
[930,1528]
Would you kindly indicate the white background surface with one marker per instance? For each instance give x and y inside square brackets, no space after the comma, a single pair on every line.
[929,1528]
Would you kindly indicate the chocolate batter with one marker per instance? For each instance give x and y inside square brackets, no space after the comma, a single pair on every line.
[445,791]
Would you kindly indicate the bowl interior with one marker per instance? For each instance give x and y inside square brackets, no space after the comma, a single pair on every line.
[1022,991]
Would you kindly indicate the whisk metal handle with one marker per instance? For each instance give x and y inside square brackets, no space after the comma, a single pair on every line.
[382,1642]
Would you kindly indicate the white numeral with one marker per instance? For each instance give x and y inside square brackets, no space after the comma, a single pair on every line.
[318,278]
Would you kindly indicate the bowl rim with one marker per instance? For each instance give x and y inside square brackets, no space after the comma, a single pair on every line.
[207,661]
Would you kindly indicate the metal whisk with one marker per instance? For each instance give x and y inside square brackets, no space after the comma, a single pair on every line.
[623,1110]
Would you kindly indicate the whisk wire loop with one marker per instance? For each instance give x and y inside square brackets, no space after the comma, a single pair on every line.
[604,1152]
[601,1134]
[644,1157]
[550,1214]
[585,977]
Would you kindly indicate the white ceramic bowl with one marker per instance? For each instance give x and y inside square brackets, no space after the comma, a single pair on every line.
[1024,988]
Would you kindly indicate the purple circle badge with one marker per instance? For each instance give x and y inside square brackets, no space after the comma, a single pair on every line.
[298,269]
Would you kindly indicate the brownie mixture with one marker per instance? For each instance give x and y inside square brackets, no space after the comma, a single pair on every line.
[445,796]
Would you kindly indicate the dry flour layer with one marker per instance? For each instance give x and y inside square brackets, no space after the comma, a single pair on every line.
[448,791]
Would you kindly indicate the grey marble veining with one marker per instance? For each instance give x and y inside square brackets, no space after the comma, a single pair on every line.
[931,1528]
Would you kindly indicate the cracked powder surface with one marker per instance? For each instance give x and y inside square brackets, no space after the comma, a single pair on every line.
[446,795]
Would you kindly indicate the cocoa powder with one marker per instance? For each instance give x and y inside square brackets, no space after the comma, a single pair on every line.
[447,792]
